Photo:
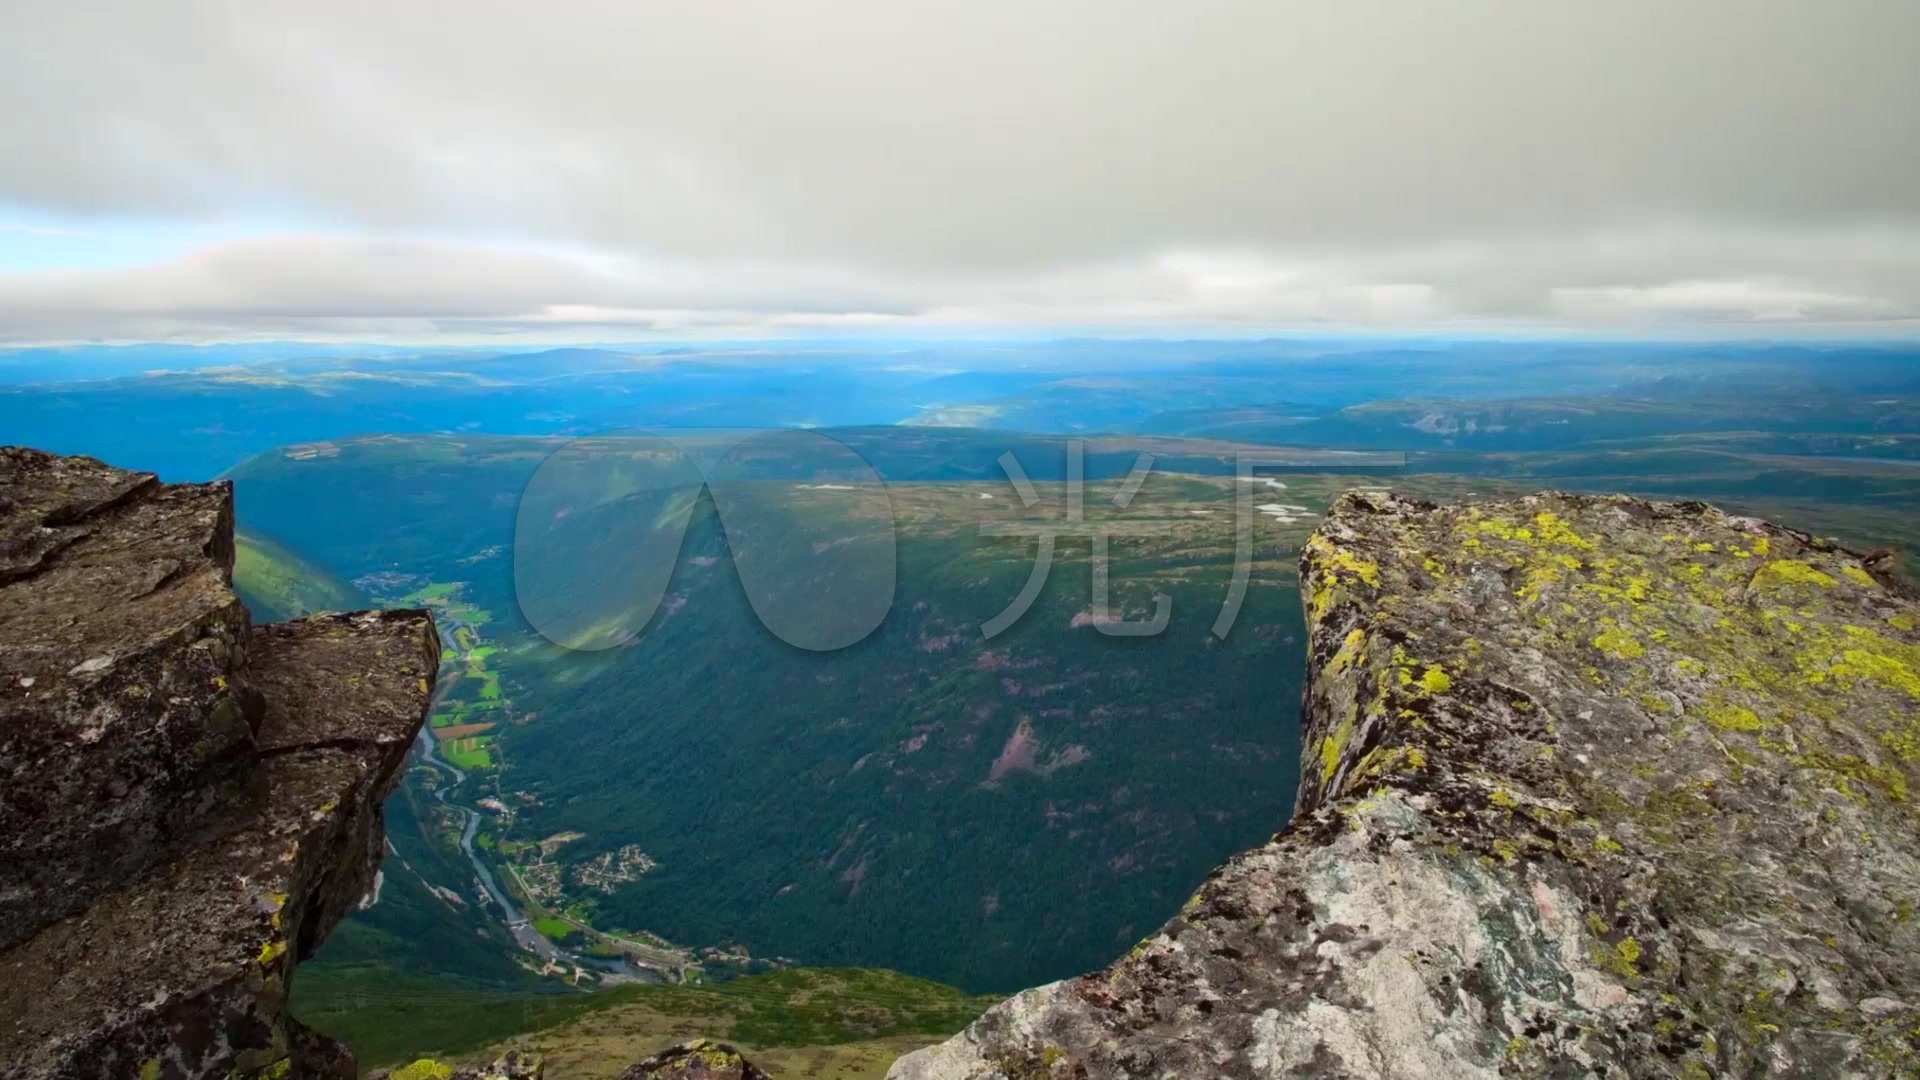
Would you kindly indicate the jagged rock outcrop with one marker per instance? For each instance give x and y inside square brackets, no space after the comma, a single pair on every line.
[188,803]
[1592,786]
[123,737]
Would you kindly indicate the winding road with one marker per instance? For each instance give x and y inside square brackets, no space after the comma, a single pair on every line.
[613,969]
[523,932]
[616,970]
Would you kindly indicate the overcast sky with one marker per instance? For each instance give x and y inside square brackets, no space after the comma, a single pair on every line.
[626,168]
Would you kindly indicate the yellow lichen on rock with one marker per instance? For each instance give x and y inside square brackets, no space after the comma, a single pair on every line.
[1793,572]
[1736,664]
[1617,642]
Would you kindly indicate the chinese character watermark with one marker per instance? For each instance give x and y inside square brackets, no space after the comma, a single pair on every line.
[1099,536]
[808,528]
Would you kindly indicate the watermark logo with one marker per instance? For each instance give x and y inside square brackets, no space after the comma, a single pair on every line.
[1099,536]
[808,527]
[602,522]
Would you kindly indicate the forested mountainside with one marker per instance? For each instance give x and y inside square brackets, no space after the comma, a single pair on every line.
[814,790]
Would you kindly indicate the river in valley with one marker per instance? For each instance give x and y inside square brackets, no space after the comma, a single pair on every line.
[612,969]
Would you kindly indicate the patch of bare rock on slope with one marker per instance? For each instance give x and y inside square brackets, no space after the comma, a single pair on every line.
[1593,787]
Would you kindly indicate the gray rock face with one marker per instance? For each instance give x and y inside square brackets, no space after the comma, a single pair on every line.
[200,883]
[1593,786]
[124,736]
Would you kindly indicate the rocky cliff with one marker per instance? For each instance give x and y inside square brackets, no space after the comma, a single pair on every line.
[190,802]
[1593,787]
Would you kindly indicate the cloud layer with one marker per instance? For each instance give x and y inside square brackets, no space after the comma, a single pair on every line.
[1124,163]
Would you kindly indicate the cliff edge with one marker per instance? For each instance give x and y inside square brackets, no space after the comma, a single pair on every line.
[190,802]
[1592,786]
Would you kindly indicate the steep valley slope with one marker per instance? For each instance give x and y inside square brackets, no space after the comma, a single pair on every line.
[815,791]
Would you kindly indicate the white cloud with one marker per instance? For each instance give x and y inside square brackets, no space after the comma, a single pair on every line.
[872,163]
[346,286]
[1746,301]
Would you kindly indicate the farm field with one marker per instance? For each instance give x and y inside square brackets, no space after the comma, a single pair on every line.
[469,703]
[468,753]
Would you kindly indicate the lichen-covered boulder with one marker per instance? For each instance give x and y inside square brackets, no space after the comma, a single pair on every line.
[701,1059]
[125,736]
[1592,786]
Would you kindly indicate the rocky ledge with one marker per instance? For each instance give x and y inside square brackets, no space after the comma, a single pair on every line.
[189,802]
[1592,786]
